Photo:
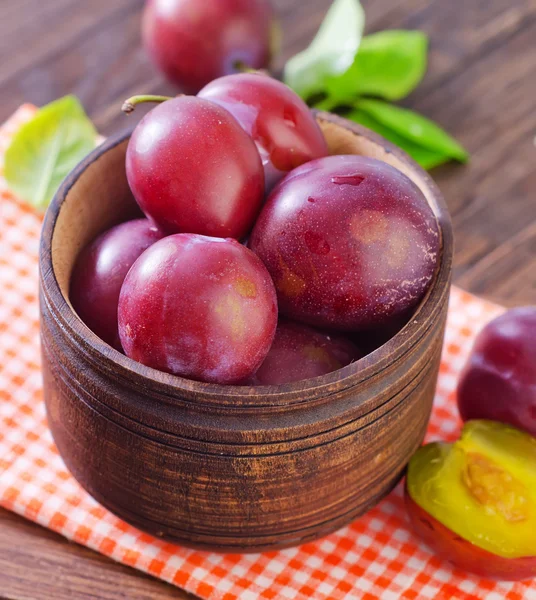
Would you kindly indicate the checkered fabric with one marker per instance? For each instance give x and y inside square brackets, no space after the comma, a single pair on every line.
[377,557]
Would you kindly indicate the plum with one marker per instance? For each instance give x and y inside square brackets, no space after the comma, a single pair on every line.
[195,41]
[300,352]
[465,554]
[193,169]
[200,307]
[350,242]
[474,501]
[499,379]
[100,270]
[280,123]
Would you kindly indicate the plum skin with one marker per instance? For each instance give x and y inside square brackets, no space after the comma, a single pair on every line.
[193,169]
[200,307]
[499,379]
[350,242]
[464,554]
[280,123]
[100,270]
[300,352]
[196,41]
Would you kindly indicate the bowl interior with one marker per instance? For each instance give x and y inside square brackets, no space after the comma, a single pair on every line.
[95,201]
[96,196]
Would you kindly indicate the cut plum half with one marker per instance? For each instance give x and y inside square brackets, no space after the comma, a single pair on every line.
[474,501]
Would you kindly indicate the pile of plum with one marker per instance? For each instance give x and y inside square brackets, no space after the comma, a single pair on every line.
[248,219]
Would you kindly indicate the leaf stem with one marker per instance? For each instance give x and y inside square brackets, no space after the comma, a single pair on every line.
[133,101]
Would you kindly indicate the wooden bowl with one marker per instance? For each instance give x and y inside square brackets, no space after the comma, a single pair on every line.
[225,467]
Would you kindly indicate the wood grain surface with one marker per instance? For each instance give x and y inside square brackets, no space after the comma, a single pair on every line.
[481,86]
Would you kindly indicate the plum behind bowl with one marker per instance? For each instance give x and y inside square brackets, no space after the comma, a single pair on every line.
[499,379]
[195,41]
[238,469]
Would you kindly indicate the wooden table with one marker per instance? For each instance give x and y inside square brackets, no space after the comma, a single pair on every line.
[481,86]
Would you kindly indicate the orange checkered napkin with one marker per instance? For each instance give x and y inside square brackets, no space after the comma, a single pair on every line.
[377,557]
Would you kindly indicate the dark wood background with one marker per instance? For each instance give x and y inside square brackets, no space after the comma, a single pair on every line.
[480,86]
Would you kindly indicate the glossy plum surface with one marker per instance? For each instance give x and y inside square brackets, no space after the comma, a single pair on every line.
[482,491]
[196,41]
[280,123]
[99,272]
[300,352]
[499,380]
[193,169]
[203,308]
[350,242]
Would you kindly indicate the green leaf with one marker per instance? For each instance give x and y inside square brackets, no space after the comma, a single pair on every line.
[425,157]
[389,64]
[414,127]
[332,51]
[46,149]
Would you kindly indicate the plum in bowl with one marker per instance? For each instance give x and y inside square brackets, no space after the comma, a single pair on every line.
[229,467]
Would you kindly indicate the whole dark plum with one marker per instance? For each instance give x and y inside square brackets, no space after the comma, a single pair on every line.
[193,169]
[300,352]
[350,242]
[280,123]
[200,307]
[499,380]
[100,270]
[195,41]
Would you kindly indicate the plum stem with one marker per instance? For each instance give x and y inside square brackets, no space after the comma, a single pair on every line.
[130,104]
[242,67]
